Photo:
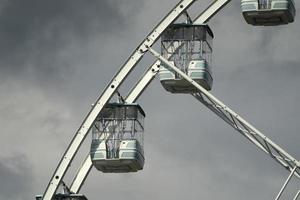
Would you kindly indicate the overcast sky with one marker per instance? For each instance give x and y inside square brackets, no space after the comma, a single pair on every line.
[56,57]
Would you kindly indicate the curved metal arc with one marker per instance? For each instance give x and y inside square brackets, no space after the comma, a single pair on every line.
[107,94]
[138,89]
[149,75]
[131,98]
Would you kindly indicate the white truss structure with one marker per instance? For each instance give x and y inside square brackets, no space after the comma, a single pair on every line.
[215,105]
[139,88]
[251,133]
[240,124]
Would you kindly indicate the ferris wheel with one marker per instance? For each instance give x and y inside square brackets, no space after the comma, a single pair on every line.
[183,66]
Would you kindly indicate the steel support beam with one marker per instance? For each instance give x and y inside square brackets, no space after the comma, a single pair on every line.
[237,122]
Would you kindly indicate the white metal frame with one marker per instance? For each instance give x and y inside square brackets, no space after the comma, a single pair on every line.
[240,124]
[297,195]
[215,105]
[107,94]
[138,89]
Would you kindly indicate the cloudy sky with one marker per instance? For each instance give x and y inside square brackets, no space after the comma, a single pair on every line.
[56,57]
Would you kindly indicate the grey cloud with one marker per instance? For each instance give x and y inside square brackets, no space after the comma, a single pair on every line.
[190,153]
[33,32]
[16,178]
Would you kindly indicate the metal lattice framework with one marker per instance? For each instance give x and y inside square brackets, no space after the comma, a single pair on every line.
[240,124]
[251,133]
[215,105]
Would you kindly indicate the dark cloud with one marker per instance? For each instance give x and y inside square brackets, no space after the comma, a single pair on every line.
[16,178]
[33,32]
[189,151]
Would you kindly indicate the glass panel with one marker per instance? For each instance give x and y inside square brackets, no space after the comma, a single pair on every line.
[116,123]
[199,33]
[264,4]
[207,53]
[186,43]
[178,34]
[188,33]
[107,113]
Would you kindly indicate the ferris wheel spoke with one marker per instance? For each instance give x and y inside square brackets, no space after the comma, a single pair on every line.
[254,135]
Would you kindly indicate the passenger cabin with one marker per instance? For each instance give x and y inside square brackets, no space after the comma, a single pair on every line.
[268,12]
[189,48]
[117,139]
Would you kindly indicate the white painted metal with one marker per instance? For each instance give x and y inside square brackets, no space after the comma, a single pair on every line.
[143,83]
[107,94]
[131,98]
[138,89]
[261,141]
[206,98]
[204,17]
[286,182]
[297,195]
[237,122]
[212,9]
[81,175]
[268,12]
